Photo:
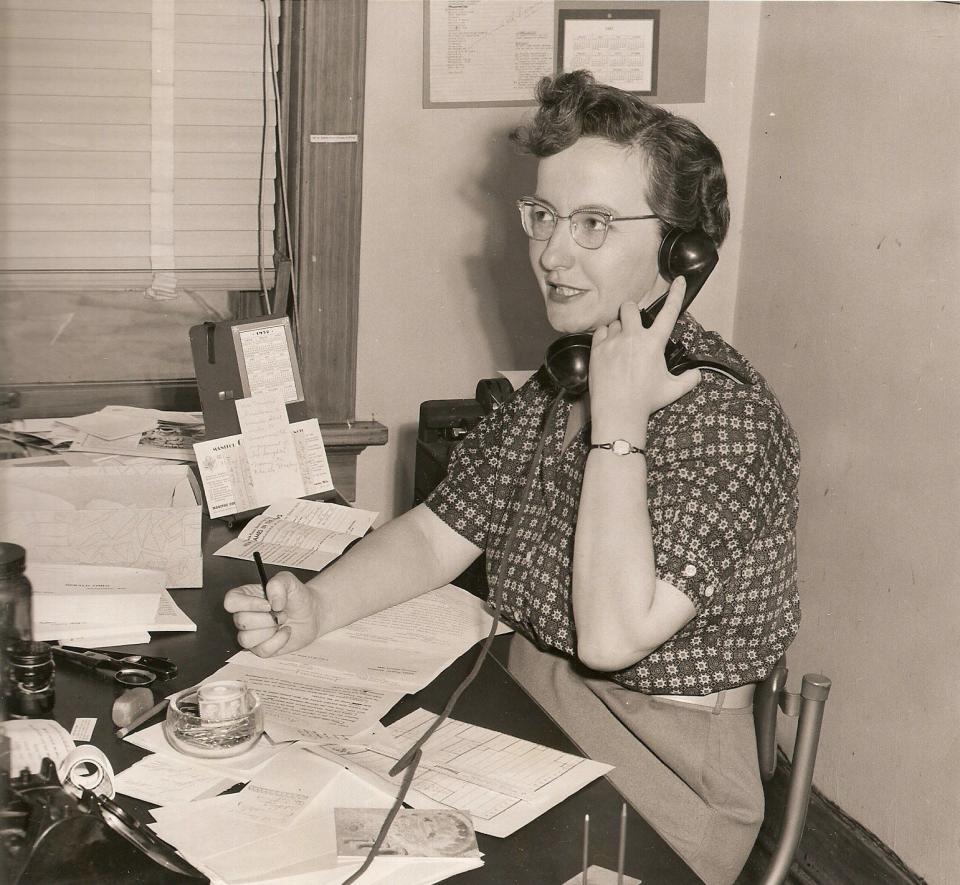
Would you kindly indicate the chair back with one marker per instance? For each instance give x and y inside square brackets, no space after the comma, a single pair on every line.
[807,707]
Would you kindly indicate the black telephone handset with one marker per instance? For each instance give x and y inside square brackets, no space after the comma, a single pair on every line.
[690,254]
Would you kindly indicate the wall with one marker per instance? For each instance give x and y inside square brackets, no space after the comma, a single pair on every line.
[848,300]
[446,294]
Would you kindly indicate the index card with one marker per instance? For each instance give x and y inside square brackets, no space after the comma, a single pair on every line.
[269,447]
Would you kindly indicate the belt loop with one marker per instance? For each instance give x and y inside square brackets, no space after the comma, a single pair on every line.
[718,706]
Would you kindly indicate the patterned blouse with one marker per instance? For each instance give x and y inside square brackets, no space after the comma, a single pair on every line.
[722,469]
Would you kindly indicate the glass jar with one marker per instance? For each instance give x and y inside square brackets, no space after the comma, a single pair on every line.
[15,613]
[31,681]
[15,593]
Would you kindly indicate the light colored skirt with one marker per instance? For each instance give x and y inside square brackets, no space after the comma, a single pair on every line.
[691,771]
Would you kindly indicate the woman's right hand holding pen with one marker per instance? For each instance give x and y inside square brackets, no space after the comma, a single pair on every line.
[283,622]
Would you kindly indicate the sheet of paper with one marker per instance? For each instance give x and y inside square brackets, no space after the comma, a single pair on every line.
[494,768]
[164,780]
[92,639]
[312,457]
[113,424]
[228,479]
[83,727]
[300,534]
[310,709]
[282,789]
[483,52]
[403,647]
[227,482]
[265,351]
[170,618]
[33,739]
[269,447]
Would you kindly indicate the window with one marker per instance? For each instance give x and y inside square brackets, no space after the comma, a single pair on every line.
[137,153]
[133,156]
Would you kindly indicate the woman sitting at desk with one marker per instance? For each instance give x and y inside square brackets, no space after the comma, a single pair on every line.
[650,555]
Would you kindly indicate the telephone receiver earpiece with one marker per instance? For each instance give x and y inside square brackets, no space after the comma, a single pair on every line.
[690,254]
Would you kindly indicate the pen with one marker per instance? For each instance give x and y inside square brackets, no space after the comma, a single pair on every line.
[621,850]
[586,847]
[143,717]
[258,559]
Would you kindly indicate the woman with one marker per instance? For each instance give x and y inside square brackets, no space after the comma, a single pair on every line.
[642,535]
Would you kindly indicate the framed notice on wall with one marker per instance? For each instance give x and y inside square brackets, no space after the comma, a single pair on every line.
[486,53]
[619,46]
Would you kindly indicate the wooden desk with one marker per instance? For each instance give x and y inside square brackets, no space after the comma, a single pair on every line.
[548,850]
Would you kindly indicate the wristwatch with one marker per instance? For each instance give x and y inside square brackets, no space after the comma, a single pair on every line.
[620,447]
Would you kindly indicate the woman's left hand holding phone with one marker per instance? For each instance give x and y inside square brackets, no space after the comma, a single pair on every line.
[629,380]
[294,605]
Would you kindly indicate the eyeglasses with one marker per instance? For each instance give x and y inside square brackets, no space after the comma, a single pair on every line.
[588,227]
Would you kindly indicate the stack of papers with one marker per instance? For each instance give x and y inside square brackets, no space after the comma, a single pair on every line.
[324,756]
[125,430]
[94,605]
[114,435]
[282,826]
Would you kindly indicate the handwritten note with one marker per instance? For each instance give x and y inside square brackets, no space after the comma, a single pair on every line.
[269,447]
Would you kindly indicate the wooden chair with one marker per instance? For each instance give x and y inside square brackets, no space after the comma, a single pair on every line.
[807,707]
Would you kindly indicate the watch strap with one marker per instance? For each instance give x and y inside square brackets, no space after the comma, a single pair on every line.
[620,447]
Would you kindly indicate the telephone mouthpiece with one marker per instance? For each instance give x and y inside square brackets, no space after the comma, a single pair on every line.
[568,362]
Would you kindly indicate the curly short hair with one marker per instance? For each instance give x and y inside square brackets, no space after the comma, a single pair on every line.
[687,186]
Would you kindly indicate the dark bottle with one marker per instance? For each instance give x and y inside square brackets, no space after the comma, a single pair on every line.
[15,614]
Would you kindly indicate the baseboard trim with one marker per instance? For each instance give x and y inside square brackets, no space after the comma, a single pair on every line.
[835,849]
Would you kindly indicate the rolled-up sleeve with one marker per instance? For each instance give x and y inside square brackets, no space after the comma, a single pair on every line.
[722,486]
[464,498]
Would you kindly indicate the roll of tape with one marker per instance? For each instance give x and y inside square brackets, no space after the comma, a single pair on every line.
[87,768]
[219,701]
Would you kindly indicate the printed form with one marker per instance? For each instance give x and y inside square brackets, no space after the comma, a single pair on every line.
[503,782]
[300,534]
[343,683]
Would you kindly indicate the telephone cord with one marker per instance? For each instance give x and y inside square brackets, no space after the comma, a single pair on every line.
[411,759]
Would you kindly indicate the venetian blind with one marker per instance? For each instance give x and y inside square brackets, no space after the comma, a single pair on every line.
[131,134]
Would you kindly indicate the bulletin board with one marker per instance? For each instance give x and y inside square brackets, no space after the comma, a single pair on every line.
[493,54]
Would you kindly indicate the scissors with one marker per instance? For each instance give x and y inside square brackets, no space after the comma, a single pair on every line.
[114,661]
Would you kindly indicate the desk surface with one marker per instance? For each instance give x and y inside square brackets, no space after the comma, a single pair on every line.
[548,850]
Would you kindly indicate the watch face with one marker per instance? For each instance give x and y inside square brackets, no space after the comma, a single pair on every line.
[621,447]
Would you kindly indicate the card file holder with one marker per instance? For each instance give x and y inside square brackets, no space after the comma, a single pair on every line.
[222,379]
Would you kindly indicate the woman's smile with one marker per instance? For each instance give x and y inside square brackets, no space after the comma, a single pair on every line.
[563,293]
